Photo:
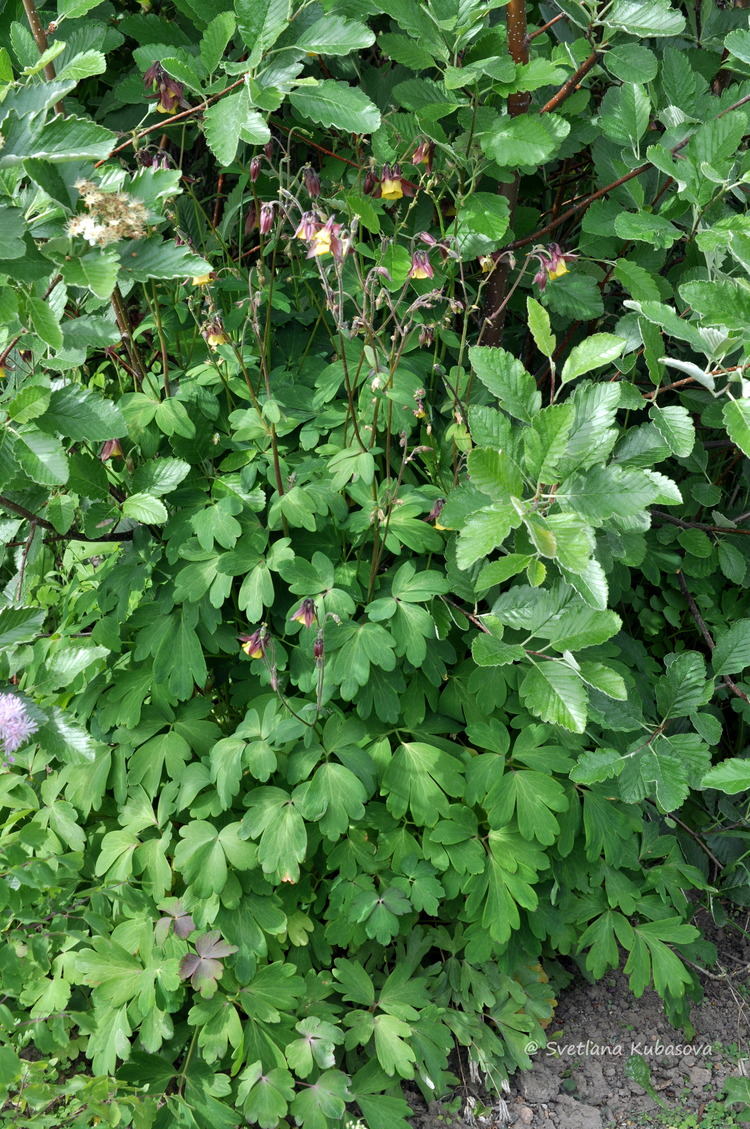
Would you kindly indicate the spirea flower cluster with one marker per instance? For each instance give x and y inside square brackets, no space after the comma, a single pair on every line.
[15,724]
[111,216]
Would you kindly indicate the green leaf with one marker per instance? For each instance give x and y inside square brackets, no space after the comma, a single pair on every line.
[526,141]
[334,798]
[334,35]
[533,797]
[647,227]
[160,476]
[96,270]
[596,765]
[205,852]
[265,1095]
[11,232]
[737,423]
[488,651]
[506,378]
[62,139]
[598,350]
[644,18]
[420,777]
[154,257]
[82,66]
[555,693]
[215,39]
[731,654]
[676,428]
[605,492]
[730,776]
[82,415]
[540,327]
[19,624]
[260,23]
[145,508]
[44,322]
[229,121]
[274,819]
[337,105]
[42,457]
[485,531]
[624,113]
[322,1102]
[724,302]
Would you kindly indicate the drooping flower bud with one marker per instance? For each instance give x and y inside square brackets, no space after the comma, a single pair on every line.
[266,218]
[312,181]
[255,169]
[268,149]
[423,155]
[371,183]
[318,649]
[111,449]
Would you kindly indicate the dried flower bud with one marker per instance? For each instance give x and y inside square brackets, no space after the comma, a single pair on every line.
[371,183]
[427,336]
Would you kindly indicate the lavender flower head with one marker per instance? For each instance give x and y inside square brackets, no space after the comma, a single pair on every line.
[15,724]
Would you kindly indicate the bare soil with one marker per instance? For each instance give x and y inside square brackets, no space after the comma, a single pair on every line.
[579,1080]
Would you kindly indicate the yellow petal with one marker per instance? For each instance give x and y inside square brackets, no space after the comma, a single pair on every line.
[201,279]
[558,272]
[391,190]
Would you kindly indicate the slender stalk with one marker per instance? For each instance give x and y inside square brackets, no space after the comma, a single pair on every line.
[123,324]
[495,296]
[40,38]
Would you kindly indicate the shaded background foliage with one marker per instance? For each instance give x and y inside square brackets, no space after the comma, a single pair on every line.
[374,576]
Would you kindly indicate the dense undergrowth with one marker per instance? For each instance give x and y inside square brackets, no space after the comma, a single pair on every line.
[375,563]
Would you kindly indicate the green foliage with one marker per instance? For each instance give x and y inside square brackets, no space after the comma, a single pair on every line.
[367,664]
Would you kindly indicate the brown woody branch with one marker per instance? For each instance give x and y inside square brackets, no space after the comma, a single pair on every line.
[707,635]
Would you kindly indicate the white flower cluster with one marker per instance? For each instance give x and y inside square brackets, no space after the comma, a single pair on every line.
[111,216]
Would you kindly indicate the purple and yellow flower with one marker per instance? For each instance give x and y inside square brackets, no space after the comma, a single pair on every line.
[552,264]
[423,155]
[255,645]
[305,613]
[111,449]
[421,267]
[169,93]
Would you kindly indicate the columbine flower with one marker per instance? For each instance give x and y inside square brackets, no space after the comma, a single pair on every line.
[552,264]
[201,279]
[111,449]
[309,225]
[487,263]
[392,185]
[327,240]
[254,169]
[427,336]
[15,724]
[420,266]
[169,93]
[318,649]
[419,411]
[213,333]
[305,613]
[266,218]
[423,155]
[312,180]
[255,645]
[371,183]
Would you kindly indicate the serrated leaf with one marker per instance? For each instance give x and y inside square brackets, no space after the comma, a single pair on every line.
[540,327]
[731,654]
[730,776]
[555,693]
[229,121]
[598,350]
[336,105]
[334,35]
[737,423]
[506,378]
[489,651]
[526,141]
[676,428]
[154,257]
[144,507]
